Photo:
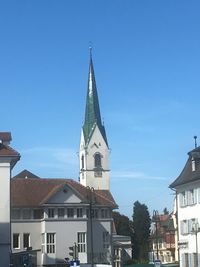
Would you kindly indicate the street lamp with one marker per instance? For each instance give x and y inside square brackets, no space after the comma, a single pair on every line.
[91,202]
[196,230]
[156,219]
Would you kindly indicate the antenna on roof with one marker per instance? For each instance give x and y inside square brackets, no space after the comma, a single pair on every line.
[195,141]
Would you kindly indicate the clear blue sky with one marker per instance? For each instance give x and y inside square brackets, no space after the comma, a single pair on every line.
[147,60]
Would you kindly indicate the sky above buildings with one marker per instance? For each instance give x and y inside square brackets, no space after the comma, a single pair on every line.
[146,57]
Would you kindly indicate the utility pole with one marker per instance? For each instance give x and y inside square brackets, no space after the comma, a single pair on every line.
[91,202]
[156,218]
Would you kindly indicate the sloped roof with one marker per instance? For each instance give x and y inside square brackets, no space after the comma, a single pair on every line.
[7,151]
[26,174]
[92,110]
[188,175]
[33,192]
[5,136]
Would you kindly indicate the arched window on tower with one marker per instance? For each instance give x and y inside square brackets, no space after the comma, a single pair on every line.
[82,162]
[97,160]
[97,165]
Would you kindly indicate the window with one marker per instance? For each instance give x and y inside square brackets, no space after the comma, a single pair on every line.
[97,160]
[15,214]
[51,213]
[82,162]
[37,214]
[104,213]
[26,240]
[186,259]
[51,244]
[192,199]
[94,213]
[43,243]
[106,240]
[183,199]
[81,237]
[61,212]
[70,212]
[16,241]
[79,213]
[26,214]
[87,213]
[184,227]
[98,173]
[193,164]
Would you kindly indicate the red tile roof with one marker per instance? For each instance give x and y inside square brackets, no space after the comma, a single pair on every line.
[33,192]
[6,150]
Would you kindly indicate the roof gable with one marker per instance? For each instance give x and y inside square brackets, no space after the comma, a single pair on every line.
[65,194]
[33,192]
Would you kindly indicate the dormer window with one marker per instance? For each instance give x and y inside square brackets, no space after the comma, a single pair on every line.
[193,164]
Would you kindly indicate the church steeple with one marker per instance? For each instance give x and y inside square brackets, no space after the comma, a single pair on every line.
[94,151]
[92,110]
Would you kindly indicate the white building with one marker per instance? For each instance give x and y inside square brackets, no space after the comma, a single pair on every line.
[51,215]
[187,187]
[8,159]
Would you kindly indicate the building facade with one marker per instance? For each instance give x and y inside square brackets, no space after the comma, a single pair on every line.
[52,215]
[163,238]
[8,159]
[187,187]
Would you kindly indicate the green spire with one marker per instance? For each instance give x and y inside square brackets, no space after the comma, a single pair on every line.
[92,111]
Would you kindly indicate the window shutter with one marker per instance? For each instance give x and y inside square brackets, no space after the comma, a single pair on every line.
[181,199]
[182,227]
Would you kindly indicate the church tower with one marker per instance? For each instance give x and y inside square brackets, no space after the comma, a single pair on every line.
[94,150]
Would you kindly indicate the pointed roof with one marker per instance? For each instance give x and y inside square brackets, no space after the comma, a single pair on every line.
[26,175]
[92,110]
[188,175]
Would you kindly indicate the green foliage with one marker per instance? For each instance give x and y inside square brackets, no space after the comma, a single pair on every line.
[123,225]
[141,226]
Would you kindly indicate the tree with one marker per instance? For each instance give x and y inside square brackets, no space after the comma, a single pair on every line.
[141,227]
[123,225]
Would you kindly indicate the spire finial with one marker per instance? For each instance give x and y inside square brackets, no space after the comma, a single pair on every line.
[195,141]
[90,48]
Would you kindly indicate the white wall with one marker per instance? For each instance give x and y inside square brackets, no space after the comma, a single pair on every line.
[5,213]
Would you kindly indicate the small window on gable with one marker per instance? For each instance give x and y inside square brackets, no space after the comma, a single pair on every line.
[97,160]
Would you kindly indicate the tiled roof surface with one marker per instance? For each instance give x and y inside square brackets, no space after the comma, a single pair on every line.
[6,150]
[5,136]
[188,175]
[33,192]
